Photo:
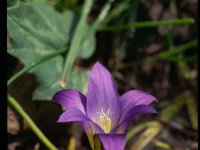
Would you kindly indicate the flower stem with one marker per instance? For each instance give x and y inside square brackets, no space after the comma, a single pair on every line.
[33,126]
[34,64]
[147,24]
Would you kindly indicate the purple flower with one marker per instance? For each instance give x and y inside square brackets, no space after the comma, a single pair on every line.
[103,112]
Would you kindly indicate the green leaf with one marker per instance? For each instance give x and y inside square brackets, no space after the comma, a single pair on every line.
[37,29]
[79,80]
[11,3]
[88,43]
[42,24]
[76,41]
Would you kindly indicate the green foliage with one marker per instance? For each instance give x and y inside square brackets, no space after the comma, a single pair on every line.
[11,2]
[38,30]
[88,43]
[79,38]
[79,79]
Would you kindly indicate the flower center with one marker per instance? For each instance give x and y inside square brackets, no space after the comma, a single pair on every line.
[104,120]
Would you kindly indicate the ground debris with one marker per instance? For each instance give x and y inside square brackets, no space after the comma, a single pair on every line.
[13,123]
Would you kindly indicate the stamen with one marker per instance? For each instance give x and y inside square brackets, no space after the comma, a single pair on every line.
[104,120]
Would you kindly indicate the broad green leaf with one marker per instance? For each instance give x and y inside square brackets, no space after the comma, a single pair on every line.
[37,29]
[11,3]
[79,80]
[41,23]
[88,43]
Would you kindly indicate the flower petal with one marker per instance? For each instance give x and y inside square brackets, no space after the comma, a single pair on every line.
[75,115]
[127,117]
[135,97]
[91,129]
[69,98]
[102,94]
[113,141]
[88,130]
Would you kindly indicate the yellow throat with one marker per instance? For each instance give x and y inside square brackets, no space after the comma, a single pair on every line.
[104,120]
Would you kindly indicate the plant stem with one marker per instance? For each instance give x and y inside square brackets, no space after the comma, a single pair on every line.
[34,64]
[161,55]
[178,49]
[79,36]
[76,42]
[133,131]
[116,12]
[101,17]
[30,122]
[147,24]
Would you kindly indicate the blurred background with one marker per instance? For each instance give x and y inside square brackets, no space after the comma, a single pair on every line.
[150,45]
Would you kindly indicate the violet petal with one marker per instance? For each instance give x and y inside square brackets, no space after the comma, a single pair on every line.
[133,98]
[127,117]
[69,98]
[102,94]
[90,130]
[75,115]
[113,141]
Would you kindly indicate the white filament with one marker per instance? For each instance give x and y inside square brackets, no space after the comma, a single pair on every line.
[104,120]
